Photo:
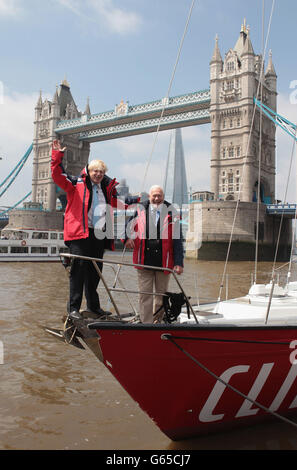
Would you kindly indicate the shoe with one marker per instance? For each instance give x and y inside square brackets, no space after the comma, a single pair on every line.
[99,312]
[75,315]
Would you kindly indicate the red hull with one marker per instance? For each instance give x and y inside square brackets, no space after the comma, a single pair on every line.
[184,399]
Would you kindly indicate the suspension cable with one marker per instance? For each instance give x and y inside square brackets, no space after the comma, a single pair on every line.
[15,205]
[16,170]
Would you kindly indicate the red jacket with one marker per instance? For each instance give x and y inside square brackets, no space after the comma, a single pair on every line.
[79,196]
[172,249]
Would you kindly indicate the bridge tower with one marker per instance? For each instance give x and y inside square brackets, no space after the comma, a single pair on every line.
[47,114]
[235,153]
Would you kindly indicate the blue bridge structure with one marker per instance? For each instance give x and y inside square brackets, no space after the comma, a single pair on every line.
[163,114]
[282,210]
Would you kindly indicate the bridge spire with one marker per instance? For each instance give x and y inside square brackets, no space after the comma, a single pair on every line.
[216,56]
[88,110]
[65,82]
[39,101]
[56,96]
[270,67]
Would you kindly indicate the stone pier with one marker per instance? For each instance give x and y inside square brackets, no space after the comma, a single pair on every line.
[210,241]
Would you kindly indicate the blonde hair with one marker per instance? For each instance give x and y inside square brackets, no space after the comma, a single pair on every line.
[98,164]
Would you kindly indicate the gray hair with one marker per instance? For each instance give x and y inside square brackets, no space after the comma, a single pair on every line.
[154,187]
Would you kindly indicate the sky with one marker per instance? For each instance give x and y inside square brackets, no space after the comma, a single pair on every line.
[109,50]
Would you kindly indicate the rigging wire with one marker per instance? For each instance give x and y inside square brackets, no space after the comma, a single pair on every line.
[166,98]
[290,129]
[167,94]
[285,198]
[260,151]
[278,241]
[293,241]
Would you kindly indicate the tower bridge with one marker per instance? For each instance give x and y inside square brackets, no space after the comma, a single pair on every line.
[125,120]
[228,105]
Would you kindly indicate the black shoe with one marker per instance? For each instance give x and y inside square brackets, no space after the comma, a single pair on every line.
[75,315]
[99,312]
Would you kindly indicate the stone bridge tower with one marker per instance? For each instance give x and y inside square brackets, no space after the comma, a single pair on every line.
[235,153]
[47,113]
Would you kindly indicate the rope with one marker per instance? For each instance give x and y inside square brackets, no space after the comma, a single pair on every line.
[168,91]
[172,305]
[219,340]
[246,397]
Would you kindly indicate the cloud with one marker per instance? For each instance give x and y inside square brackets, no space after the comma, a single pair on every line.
[16,135]
[104,12]
[119,21]
[9,8]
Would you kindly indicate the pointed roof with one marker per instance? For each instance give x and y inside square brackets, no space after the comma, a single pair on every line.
[65,97]
[216,56]
[56,96]
[243,44]
[88,110]
[39,101]
[270,67]
[65,83]
[248,48]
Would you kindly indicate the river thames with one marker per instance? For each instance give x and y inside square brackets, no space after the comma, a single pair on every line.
[55,396]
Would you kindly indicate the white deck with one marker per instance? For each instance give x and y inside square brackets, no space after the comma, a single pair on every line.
[250,309]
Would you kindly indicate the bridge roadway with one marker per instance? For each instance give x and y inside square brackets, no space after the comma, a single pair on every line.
[286,210]
[125,120]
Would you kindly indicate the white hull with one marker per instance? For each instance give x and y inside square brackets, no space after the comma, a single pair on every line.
[24,245]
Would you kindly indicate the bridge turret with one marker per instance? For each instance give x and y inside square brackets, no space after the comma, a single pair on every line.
[271,82]
[47,115]
[234,149]
[88,110]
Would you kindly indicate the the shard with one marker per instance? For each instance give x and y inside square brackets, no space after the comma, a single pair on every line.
[175,182]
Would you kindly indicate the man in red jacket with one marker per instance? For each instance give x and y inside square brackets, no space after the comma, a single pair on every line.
[154,234]
[88,226]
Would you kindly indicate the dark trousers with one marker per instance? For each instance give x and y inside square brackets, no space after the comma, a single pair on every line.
[83,274]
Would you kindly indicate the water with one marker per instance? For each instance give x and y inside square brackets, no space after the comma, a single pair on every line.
[55,396]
